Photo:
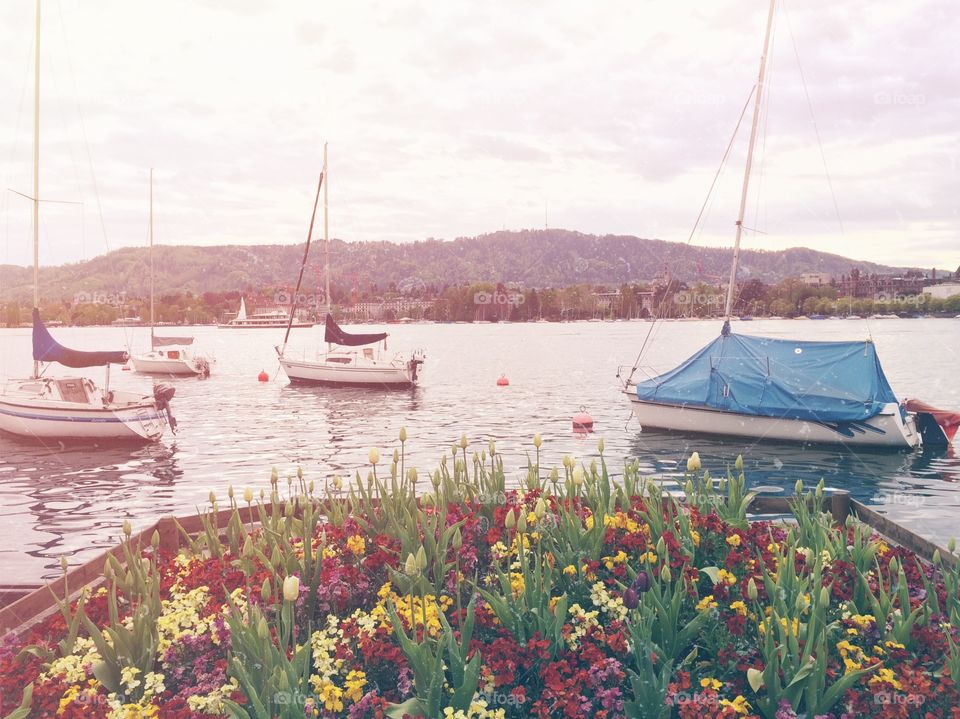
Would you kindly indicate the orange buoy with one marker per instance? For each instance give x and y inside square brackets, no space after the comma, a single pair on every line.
[503,381]
[582,421]
[263,376]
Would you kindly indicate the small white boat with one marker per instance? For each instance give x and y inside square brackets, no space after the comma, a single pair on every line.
[177,361]
[263,319]
[364,366]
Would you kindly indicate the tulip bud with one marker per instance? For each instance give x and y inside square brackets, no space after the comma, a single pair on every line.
[396,456]
[510,520]
[393,469]
[951,545]
[593,467]
[824,597]
[493,448]
[642,582]
[631,600]
[798,487]
[540,509]
[337,482]
[568,461]
[693,463]
[248,495]
[537,441]
[739,463]
[127,529]
[373,455]
[554,475]
[263,630]
[661,547]
[274,476]
[752,590]
[247,551]
[63,562]
[457,539]
[578,476]
[936,556]
[412,474]
[894,565]
[522,522]
[463,441]
[403,434]
[266,591]
[688,488]
[410,566]
[212,498]
[600,445]
[229,491]
[291,588]
[155,540]
[665,573]
[421,558]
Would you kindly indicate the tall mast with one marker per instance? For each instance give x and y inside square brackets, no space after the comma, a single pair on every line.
[326,233]
[746,172]
[151,259]
[36,175]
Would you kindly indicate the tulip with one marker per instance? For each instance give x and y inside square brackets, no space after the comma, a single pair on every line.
[688,488]
[403,434]
[522,522]
[274,476]
[936,556]
[951,545]
[642,582]
[127,529]
[631,600]
[578,476]
[752,590]
[396,456]
[493,448]
[263,629]
[337,482]
[229,491]
[291,588]
[373,455]
[299,472]
[600,445]
[63,562]
[824,597]
[540,509]
[537,441]
[248,495]
[798,487]
[693,463]
[421,558]
[593,467]
[155,540]
[457,539]
[510,520]
[554,475]
[739,463]
[665,573]
[266,590]
[410,566]
[463,441]
[412,474]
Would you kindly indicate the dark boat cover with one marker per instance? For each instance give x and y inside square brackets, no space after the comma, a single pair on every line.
[47,349]
[334,334]
[818,381]
[172,341]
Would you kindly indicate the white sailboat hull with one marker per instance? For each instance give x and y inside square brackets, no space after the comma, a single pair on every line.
[373,373]
[885,430]
[24,412]
[163,365]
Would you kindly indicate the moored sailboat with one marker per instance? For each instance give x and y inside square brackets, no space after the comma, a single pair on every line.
[73,407]
[778,389]
[363,367]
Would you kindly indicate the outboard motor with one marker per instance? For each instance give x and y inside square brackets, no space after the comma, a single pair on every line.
[163,393]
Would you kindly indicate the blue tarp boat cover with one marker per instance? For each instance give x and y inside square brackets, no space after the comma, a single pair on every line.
[819,381]
[47,349]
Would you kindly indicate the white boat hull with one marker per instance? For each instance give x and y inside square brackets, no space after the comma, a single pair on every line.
[885,430]
[26,413]
[386,374]
[164,365]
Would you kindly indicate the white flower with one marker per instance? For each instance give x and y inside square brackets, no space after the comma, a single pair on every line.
[291,588]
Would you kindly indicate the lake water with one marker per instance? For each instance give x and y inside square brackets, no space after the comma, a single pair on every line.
[71,501]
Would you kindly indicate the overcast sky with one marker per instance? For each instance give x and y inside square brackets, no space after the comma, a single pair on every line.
[455,118]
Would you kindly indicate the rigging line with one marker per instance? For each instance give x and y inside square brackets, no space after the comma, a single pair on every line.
[693,230]
[813,121]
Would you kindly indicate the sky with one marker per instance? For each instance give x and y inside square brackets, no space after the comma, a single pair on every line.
[455,118]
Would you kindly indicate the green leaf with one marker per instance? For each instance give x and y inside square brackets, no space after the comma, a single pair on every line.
[755,679]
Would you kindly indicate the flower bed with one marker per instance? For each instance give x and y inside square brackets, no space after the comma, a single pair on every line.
[455,597]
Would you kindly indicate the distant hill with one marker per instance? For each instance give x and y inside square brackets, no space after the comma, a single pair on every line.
[530,258]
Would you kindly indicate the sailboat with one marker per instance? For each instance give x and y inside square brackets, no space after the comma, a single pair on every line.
[358,360]
[262,319]
[167,355]
[779,389]
[73,407]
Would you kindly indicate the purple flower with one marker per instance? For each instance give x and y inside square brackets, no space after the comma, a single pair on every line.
[642,582]
[631,600]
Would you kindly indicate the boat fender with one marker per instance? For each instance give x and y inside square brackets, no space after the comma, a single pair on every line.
[163,393]
[582,421]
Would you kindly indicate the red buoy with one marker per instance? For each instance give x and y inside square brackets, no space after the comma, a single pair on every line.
[263,376]
[582,421]
[125,368]
[503,381]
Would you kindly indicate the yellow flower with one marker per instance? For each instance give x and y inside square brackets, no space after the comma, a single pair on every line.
[740,608]
[706,603]
[725,577]
[710,683]
[356,544]
[886,676]
[355,682]
[696,537]
[570,570]
[693,463]
[863,620]
[734,540]
[740,704]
